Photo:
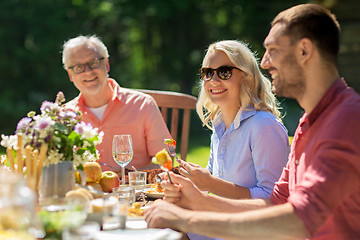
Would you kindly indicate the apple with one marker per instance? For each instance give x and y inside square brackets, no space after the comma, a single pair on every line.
[92,171]
[109,180]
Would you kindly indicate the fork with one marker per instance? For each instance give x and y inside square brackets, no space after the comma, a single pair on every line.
[171,149]
[105,164]
[167,171]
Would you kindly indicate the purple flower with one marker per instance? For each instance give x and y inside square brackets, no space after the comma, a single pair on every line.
[43,123]
[23,123]
[46,106]
[60,98]
[68,114]
[79,128]
[85,130]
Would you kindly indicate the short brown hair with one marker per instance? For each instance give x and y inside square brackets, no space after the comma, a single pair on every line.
[314,22]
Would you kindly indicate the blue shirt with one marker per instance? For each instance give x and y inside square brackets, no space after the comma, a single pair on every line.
[251,153]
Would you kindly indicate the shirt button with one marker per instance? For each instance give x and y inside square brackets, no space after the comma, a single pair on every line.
[296,161]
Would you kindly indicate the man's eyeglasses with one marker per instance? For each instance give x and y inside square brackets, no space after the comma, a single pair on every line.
[223,72]
[93,64]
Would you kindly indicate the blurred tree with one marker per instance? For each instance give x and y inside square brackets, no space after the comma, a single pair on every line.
[153,44]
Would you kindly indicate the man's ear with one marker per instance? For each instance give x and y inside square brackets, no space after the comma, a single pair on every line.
[70,77]
[107,65]
[306,49]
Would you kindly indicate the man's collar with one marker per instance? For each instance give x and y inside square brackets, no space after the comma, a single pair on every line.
[325,101]
[116,90]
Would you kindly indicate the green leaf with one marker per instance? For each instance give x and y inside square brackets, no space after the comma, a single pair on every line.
[62,129]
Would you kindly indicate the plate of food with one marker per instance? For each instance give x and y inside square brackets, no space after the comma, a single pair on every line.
[155,191]
[135,211]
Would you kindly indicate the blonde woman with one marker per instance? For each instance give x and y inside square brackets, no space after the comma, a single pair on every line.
[249,144]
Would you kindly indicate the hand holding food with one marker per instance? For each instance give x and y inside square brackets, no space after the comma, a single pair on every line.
[183,192]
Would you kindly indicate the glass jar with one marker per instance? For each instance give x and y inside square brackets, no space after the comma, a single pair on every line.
[17,208]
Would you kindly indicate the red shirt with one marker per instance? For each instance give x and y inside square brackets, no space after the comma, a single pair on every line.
[322,177]
[128,112]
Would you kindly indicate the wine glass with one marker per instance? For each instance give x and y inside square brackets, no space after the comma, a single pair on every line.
[122,152]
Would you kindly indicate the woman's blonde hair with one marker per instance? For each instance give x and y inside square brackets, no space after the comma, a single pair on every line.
[255,88]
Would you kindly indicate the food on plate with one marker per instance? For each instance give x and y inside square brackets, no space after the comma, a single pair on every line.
[152,174]
[59,214]
[109,180]
[170,142]
[97,187]
[92,171]
[135,210]
[155,188]
[163,158]
[85,191]
[155,192]
[80,195]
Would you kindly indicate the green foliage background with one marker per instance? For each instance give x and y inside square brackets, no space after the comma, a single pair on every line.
[153,44]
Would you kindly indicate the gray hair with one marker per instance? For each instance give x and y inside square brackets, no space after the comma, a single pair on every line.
[80,41]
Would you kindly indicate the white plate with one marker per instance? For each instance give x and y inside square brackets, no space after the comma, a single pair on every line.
[128,218]
[148,234]
[136,224]
[153,195]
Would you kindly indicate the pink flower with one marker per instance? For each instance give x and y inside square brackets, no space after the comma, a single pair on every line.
[43,123]
[47,106]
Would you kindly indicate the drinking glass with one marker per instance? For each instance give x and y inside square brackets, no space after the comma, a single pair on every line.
[137,179]
[122,151]
[125,193]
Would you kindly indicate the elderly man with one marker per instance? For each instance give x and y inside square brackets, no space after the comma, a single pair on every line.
[318,193]
[111,108]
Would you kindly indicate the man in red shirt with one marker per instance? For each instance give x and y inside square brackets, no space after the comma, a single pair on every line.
[318,194]
[111,108]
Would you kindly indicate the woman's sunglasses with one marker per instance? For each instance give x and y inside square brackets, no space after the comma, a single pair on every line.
[223,72]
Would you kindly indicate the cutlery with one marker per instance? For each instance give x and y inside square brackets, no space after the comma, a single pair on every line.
[171,145]
[104,164]
[172,152]
[167,171]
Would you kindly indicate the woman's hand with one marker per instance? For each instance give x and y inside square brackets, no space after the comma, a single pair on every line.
[182,192]
[200,176]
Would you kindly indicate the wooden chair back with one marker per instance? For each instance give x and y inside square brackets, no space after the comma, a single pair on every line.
[175,101]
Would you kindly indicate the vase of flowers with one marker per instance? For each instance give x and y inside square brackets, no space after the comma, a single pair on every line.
[56,180]
[70,141]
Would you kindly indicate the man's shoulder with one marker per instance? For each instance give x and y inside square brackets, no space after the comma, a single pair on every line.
[341,116]
[347,102]
[134,95]
[72,104]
